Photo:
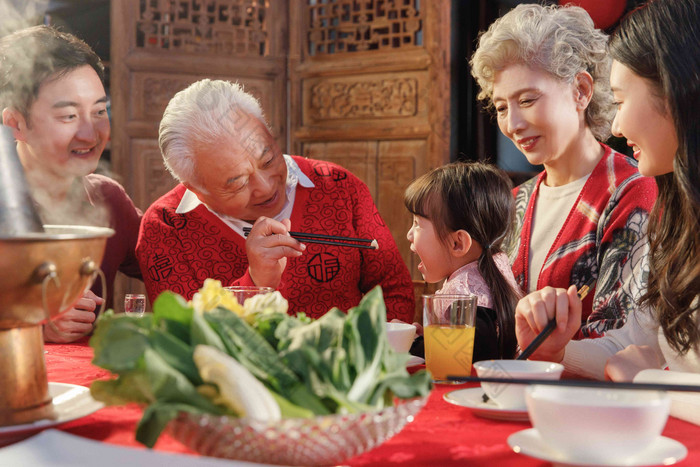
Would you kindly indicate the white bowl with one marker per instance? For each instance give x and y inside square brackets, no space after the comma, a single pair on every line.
[597,424]
[512,396]
[400,336]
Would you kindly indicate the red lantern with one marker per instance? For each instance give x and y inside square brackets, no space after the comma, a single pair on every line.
[604,13]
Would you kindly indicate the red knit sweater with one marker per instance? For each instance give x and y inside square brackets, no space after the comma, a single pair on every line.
[178,251]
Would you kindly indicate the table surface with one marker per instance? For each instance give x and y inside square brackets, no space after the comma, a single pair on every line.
[441,434]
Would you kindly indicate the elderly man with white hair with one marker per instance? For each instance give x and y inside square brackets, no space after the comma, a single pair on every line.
[233,176]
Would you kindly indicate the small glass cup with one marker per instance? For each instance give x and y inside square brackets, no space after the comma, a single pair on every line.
[135,303]
[448,333]
[244,292]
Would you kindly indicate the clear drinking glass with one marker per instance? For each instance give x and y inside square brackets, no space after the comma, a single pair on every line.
[244,292]
[135,303]
[448,333]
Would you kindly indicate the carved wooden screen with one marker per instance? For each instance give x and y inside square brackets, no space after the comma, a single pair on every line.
[370,90]
[159,47]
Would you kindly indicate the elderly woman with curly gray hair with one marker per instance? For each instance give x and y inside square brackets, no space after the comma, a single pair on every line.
[544,72]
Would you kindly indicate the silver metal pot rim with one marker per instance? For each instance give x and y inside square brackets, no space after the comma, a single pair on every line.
[62,232]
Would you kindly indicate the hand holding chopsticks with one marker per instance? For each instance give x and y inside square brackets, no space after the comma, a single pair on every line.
[551,325]
[334,240]
[268,248]
[548,329]
[546,301]
[269,245]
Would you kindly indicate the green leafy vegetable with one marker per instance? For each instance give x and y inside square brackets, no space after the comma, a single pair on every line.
[339,363]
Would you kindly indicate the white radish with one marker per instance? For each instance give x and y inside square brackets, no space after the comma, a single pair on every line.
[237,386]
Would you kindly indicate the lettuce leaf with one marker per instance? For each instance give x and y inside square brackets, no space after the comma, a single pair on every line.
[339,363]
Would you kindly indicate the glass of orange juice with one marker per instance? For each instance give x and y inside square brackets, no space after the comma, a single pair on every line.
[448,333]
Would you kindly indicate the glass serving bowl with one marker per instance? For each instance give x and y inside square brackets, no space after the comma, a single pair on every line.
[323,440]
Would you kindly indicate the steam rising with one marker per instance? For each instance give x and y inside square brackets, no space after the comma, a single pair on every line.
[74,208]
[19,14]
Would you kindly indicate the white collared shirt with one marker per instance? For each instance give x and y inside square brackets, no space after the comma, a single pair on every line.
[295,177]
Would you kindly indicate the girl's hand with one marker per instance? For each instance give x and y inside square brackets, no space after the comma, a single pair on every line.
[534,311]
[624,365]
[419,329]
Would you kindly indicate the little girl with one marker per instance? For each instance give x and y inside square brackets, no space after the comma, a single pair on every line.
[461,214]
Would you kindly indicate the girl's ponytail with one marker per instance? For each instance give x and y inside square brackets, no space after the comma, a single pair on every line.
[504,301]
[488,216]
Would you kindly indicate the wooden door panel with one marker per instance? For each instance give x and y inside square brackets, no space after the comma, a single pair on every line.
[160,47]
[359,157]
[151,92]
[400,162]
[364,99]
[370,90]
[150,179]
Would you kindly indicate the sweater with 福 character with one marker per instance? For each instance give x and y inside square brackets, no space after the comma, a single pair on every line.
[178,252]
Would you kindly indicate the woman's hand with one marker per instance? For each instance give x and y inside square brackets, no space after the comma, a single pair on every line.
[624,365]
[534,311]
[74,323]
[268,246]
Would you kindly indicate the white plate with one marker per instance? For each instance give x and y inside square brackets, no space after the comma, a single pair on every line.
[472,399]
[662,451]
[54,448]
[70,402]
[414,361]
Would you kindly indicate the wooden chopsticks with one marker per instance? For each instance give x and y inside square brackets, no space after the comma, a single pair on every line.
[370,244]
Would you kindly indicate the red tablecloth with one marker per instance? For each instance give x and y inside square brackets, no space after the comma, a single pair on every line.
[441,434]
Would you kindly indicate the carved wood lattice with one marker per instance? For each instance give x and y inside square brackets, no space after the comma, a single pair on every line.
[231,27]
[339,26]
[367,98]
